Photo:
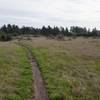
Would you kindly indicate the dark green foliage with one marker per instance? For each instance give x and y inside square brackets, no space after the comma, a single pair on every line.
[78,31]
[14,30]
[5,37]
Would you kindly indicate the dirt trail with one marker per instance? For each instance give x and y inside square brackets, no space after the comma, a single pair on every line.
[40,92]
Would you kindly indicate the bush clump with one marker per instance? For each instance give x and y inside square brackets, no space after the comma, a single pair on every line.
[5,37]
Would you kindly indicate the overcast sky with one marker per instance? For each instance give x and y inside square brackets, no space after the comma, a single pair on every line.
[50,12]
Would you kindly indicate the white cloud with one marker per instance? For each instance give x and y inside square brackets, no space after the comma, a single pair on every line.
[50,12]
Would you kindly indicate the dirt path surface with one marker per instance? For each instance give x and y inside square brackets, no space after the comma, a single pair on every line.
[40,92]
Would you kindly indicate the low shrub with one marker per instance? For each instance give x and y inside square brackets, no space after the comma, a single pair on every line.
[5,37]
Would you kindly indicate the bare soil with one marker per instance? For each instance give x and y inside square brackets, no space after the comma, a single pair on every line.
[39,89]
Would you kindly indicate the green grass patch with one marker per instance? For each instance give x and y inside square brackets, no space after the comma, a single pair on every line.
[15,73]
[68,74]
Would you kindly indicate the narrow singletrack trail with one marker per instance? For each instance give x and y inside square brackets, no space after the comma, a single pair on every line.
[40,92]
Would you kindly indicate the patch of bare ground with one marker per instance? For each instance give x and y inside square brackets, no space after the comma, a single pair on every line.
[39,88]
[40,92]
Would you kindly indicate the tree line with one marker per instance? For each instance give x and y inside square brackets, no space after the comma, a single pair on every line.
[8,31]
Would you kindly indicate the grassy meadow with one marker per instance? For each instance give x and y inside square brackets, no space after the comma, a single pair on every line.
[15,73]
[70,68]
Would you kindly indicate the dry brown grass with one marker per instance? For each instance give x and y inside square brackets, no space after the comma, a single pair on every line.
[70,68]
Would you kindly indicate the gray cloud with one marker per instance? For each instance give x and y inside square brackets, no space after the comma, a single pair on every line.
[50,12]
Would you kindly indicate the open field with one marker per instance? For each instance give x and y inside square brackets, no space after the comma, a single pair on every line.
[70,68]
[15,73]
